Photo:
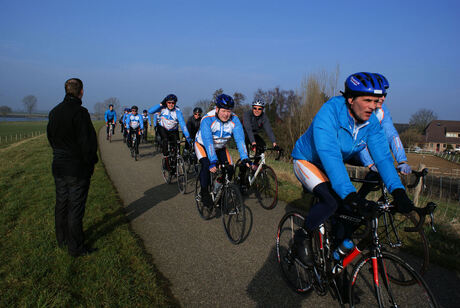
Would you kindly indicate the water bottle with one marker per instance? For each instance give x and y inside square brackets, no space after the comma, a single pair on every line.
[340,253]
[217,185]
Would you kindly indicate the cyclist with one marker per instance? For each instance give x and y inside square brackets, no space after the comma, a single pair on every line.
[341,128]
[110,116]
[155,127]
[216,128]
[147,123]
[134,125]
[253,122]
[123,123]
[193,124]
[170,118]
[384,117]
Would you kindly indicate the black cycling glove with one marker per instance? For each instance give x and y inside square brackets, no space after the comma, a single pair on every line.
[362,206]
[401,201]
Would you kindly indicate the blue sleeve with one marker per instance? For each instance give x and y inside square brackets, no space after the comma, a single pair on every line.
[238,134]
[180,118]
[127,120]
[365,157]
[155,108]
[141,122]
[380,152]
[114,117]
[155,119]
[392,135]
[326,142]
[208,141]
[105,116]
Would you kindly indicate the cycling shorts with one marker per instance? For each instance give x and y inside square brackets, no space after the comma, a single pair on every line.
[308,174]
[201,152]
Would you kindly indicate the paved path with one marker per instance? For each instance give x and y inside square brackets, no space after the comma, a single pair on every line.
[204,268]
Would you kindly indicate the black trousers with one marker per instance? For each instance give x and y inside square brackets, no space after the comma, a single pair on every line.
[171,136]
[71,195]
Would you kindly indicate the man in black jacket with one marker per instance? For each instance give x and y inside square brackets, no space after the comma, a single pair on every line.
[72,136]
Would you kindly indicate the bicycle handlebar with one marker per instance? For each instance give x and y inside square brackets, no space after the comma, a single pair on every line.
[418,176]
[277,149]
[422,213]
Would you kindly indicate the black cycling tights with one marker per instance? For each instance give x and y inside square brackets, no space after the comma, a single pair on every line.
[171,136]
[321,211]
[205,176]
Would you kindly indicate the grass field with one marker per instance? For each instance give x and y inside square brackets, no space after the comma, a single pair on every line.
[11,132]
[35,272]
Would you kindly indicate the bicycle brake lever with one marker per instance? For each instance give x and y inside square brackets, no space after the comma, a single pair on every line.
[432,222]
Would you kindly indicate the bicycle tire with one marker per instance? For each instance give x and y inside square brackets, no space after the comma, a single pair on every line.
[265,188]
[204,212]
[233,214]
[297,277]
[414,243]
[366,291]
[164,170]
[181,175]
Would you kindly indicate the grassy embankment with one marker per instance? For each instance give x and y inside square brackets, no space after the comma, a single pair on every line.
[34,272]
[444,244]
[12,132]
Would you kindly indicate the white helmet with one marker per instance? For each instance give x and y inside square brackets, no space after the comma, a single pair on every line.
[259,102]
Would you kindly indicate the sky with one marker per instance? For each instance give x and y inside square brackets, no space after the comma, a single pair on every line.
[140,51]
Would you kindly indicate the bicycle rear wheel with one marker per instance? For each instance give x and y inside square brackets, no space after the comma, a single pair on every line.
[181,173]
[414,248]
[205,213]
[370,287]
[165,169]
[233,214]
[265,188]
[294,273]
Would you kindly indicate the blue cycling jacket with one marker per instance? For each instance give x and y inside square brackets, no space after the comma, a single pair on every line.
[155,119]
[124,117]
[384,117]
[110,115]
[214,134]
[134,121]
[170,118]
[146,119]
[335,137]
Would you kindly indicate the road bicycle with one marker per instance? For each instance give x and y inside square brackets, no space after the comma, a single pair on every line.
[262,182]
[395,227]
[375,277]
[134,143]
[174,165]
[111,131]
[191,161]
[227,201]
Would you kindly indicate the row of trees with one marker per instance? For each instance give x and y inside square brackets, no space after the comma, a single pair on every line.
[291,112]
[29,102]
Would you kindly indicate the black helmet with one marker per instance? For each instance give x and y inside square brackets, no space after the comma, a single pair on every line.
[111,105]
[197,110]
[170,97]
[135,108]
[145,111]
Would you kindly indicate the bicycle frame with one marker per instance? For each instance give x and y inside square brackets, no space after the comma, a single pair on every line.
[259,168]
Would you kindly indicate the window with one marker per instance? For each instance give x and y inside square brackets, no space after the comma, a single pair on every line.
[444,145]
[452,134]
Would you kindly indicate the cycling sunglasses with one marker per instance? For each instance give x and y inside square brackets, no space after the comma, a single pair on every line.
[257,108]
[198,114]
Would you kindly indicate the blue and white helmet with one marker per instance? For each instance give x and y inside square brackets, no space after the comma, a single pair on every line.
[386,84]
[364,84]
[225,101]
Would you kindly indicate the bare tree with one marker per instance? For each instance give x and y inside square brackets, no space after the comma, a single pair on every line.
[205,104]
[186,111]
[4,110]
[29,101]
[99,110]
[422,118]
[238,98]
[216,94]
[411,137]
[112,101]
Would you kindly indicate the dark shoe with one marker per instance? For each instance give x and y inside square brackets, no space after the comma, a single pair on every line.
[207,200]
[302,247]
[84,252]
[62,245]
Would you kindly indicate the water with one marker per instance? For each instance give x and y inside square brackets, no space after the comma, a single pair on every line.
[22,119]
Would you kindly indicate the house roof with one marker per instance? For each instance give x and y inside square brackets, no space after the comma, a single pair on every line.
[436,131]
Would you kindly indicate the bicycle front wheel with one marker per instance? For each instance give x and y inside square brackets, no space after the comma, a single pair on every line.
[371,285]
[181,173]
[294,273]
[233,214]
[265,188]
[414,248]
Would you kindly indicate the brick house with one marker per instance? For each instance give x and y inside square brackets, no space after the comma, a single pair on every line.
[439,134]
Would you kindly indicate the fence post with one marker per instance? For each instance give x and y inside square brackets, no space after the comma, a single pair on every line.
[418,188]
